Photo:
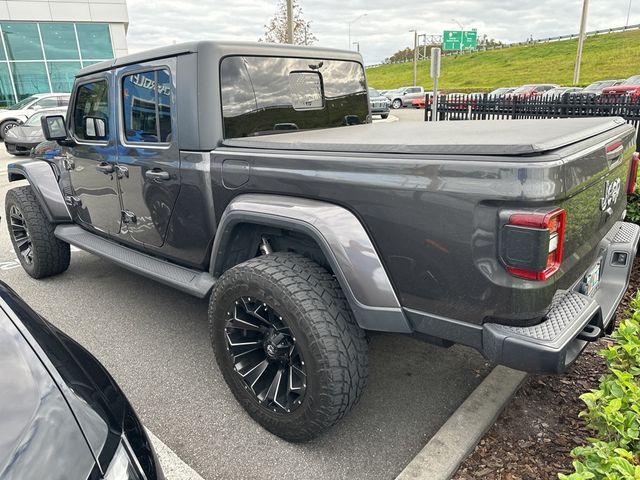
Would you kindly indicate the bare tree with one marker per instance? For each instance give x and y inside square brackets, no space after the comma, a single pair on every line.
[276,30]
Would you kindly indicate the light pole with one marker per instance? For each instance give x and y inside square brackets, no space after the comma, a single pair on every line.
[459,24]
[583,28]
[354,21]
[628,14]
[357,44]
[290,21]
[415,56]
[424,43]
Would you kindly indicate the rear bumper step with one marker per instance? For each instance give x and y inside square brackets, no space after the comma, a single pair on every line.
[573,320]
[193,282]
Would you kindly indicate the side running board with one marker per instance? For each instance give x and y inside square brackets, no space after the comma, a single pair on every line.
[193,282]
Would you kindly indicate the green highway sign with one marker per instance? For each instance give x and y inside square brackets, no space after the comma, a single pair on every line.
[459,40]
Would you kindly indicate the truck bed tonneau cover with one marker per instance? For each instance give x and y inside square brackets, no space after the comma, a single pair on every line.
[466,137]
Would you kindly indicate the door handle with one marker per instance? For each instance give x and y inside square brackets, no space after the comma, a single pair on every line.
[157,174]
[105,168]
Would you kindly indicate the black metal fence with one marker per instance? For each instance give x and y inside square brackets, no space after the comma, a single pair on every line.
[485,107]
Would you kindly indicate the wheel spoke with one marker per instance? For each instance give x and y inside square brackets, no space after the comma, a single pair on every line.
[273,388]
[254,374]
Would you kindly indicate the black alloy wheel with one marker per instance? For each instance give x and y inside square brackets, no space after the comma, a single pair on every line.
[264,354]
[20,234]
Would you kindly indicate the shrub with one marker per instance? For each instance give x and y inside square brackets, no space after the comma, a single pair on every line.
[613,411]
[633,207]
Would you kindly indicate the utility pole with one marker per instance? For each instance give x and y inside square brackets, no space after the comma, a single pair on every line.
[628,14]
[583,29]
[290,21]
[415,57]
[354,21]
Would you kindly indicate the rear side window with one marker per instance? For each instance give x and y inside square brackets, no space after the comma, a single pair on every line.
[48,102]
[146,101]
[264,95]
[91,111]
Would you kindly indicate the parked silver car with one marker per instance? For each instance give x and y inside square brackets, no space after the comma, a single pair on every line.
[402,97]
[20,139]
[559,91]
[378,103]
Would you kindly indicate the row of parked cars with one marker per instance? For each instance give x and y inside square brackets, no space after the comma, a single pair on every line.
[414,96]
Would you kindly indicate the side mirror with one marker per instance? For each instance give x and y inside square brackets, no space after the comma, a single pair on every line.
[53,127]
[95,128]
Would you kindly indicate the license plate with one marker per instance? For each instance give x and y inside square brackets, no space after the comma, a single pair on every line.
[592,279]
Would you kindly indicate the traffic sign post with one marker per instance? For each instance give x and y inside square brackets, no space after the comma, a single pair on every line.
[435,74]
[459,40]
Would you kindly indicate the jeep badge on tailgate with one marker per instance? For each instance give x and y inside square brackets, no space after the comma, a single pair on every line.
[611,193]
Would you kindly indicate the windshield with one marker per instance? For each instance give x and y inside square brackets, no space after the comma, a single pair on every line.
[34,120]
[374,93]
[22,103]
[632,81]
[524,89]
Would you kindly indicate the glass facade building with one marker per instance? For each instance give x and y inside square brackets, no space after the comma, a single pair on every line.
[44,57]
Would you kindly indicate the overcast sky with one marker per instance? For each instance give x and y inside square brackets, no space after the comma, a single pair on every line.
[383,31]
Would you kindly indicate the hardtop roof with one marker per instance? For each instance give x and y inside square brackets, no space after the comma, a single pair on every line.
[223,49]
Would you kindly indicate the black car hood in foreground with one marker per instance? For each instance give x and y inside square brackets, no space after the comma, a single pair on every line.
[39,434]
[46,380]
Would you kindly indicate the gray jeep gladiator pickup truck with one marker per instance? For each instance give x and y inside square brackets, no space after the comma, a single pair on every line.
[250,174]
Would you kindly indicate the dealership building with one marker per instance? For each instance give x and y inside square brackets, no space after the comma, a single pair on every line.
[45,43]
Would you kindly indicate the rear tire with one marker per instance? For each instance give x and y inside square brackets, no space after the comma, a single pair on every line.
[40,253]
[317,331]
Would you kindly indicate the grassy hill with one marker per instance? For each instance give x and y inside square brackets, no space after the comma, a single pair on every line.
[614,55]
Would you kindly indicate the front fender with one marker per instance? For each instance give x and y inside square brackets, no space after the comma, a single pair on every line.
[343,241]
[44,183]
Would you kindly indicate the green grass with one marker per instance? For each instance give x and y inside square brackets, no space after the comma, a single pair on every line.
[614,55]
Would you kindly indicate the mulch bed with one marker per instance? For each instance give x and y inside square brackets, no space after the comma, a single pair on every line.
[535,434]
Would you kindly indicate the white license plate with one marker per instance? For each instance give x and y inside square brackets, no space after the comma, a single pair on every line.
[592,279]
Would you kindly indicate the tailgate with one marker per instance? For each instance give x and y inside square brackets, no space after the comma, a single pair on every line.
[596,176]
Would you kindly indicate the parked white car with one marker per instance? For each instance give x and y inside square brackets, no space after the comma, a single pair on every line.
[21,111]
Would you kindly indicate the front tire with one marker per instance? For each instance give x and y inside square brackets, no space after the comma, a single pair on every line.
[396,104]
[40,253]
[385,116]
[6,126]
[287,344]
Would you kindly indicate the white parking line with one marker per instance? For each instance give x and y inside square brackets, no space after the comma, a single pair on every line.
[172,466]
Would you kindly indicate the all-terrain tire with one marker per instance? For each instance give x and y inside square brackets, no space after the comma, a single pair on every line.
[49,256]
[312,305]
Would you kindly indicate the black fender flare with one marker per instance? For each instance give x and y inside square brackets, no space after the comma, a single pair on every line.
[44,183]
[343,241]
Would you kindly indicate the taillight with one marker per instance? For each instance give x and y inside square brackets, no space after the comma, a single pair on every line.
[633,173]
[532,244]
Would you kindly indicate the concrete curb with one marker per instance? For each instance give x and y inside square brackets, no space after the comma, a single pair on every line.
[172,466]
[456,439]
[390,119]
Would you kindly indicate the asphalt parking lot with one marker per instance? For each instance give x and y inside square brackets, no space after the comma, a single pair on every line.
[155,342]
